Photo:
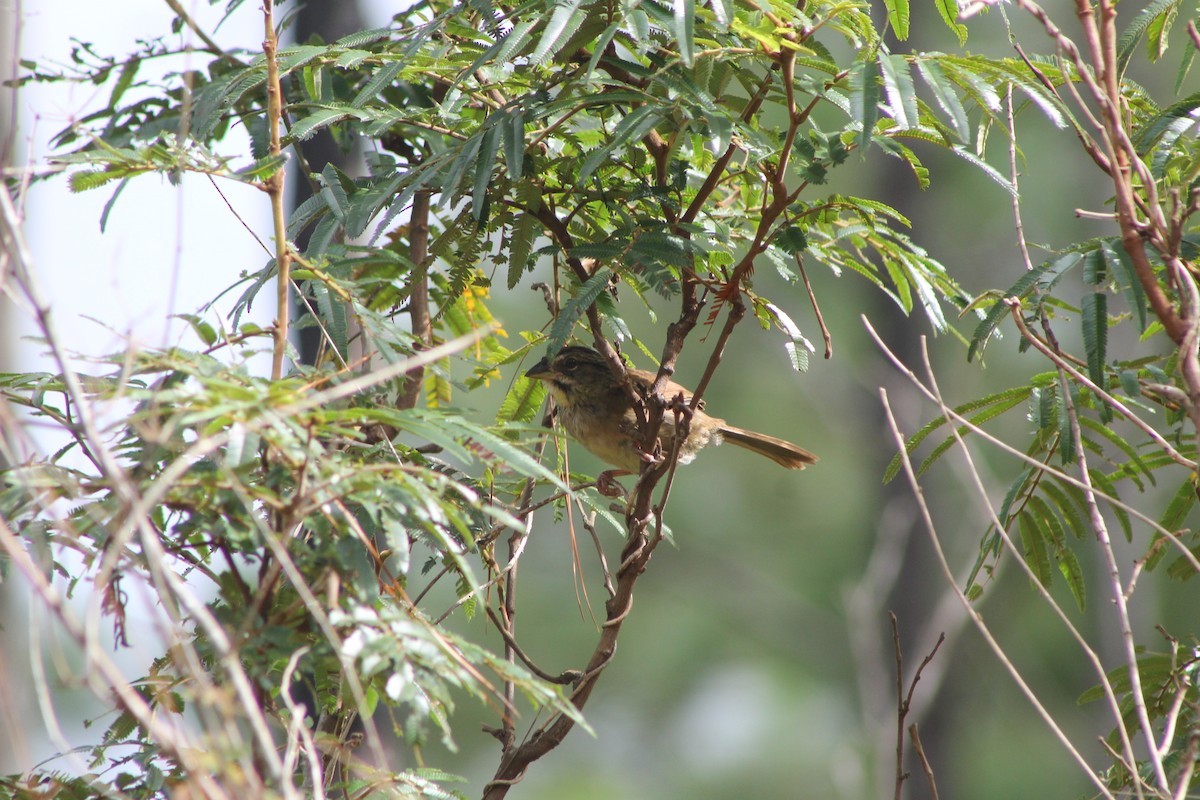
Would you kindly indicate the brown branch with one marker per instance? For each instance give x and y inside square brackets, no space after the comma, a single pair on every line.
[926,767]
[199,32]
[274,187]
[641,512]
[714,175]
[1056,357]
[812,297]
[418,303]
[904,701]
[516,760]
[1104,87]
[641,542]
[640,546]
[506,634]
[737,311]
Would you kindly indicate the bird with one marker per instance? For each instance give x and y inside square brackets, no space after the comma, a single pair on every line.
[598,412]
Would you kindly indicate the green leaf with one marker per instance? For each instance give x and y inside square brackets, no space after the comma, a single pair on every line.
[111,204]
[866,100]
[513,129]
[798,347]
[93,179]
[200,327]
[1182,569]
[1001,401]
[1095,336]
[520,246]
[381,80]
[1034,544]
[1136,464]
[1066,437]
[602,251]
[976,420]
[599,48]
[1043,277]
[1154,669]
[1070,569]
[262,168]
[1179,507]
[1158,32]
[124,81]
[987,169]
[723,12]
[898,17]
[656,246]
[1129,382]
[948,11]
[1068,564]
[1177,118]
[575,308]
[684,28]
[1119,266]
[465,159]
[946,96]
[917,275]
[522,402]
[1068,499]
[1127,43]
[515,41]
[484,167]
[901,94]
[632,127]
[791,239]
[565,20]
[321,118]
[1185,66]
[1095,268]
[1047,520]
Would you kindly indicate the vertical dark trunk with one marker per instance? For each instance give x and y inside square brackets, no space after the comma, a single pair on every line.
[327,20]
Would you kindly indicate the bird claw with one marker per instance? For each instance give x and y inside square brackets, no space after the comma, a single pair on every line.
[607,485]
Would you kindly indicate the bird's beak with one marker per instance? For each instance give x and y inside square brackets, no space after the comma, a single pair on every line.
[540,371]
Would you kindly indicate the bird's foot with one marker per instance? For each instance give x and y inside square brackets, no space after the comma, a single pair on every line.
[607,485]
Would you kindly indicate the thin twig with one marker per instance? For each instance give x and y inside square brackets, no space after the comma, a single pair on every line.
[199,32]
[103,675]
[275,190]
[502,628]
[1025,458]
[976,619]
[298,729]
[904,700]
[901,710]
[812,297]
[1116,589]
[1013,172]
[1063,364]
[984,631]
[926,767]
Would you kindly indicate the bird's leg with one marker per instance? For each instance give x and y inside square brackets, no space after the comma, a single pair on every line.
[607,485]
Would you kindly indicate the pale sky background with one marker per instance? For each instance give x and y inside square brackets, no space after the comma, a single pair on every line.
[166,250]
[165,247]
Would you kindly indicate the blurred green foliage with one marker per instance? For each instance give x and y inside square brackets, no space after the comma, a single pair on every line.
[638,163]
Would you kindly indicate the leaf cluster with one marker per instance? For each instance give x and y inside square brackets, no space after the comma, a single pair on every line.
[597,151]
